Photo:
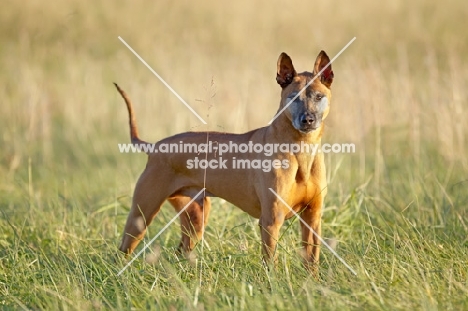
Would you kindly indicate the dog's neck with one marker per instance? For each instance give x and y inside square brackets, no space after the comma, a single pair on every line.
[282,131]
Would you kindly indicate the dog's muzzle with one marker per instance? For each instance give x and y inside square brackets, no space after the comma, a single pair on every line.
[309,122]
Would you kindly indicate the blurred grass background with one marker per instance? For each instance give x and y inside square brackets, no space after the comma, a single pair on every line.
[398,207]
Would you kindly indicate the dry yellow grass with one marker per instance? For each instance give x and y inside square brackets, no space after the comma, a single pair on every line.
[406,70]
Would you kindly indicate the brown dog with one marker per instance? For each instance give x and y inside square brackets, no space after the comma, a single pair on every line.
[297,177]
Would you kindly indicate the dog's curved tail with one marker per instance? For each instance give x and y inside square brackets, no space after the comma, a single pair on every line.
[131,118]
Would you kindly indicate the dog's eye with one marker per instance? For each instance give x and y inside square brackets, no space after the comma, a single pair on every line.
[318,97]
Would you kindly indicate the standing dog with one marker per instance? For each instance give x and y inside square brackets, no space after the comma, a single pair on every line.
[301,183]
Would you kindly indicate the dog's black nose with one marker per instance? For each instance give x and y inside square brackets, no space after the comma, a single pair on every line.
[308,119]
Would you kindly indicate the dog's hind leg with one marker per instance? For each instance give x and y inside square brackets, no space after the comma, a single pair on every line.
[148,197]
[192,221]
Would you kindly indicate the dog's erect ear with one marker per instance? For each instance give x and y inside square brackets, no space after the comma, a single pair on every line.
[285,70]
[327,75]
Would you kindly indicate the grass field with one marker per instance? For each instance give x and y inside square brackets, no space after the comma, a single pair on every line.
[397,208]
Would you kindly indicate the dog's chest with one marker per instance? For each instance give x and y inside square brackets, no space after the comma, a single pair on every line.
[304,165]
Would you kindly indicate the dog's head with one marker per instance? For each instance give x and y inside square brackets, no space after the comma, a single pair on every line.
[307,102]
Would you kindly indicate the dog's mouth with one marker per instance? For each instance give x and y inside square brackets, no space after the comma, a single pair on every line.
[307,122]
[308,129]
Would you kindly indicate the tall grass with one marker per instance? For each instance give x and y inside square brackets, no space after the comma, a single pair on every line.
[397,208]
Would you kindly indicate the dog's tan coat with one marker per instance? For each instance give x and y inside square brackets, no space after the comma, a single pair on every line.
[302,185]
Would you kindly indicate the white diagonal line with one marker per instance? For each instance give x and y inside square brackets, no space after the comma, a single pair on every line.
[162,80]
[310,82]
[313,231]
[160,232]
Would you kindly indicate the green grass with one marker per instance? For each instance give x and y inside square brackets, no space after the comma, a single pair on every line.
[60,252]
[397,208]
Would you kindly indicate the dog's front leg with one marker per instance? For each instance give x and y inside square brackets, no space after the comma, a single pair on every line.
[312,217]
[270,223]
